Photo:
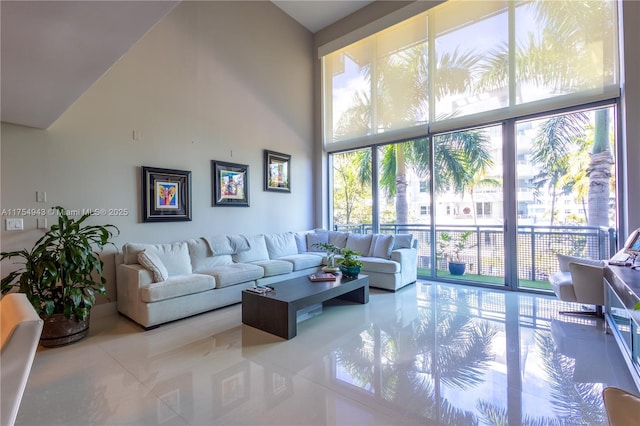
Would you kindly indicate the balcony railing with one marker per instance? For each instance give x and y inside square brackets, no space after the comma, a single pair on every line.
[537,246]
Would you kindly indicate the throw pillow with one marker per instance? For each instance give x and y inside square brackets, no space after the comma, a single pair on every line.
[401,241]
[152,262]
[360,243]
[381,246]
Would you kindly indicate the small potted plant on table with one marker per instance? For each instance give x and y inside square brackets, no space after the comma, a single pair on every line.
[350,265]
[331,251]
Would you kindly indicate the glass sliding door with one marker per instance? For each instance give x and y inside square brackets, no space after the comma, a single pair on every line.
[469,234]
[352,191]
[566,198]
[404,200]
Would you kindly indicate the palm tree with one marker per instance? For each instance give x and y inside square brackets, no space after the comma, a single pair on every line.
[569,28]
[459,157]
[551,152]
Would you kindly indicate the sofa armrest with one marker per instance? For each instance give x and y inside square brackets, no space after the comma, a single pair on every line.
[408,260]
[129,280]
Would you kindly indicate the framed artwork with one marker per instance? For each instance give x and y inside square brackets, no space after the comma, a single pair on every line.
[166,195]
[231,387]
[277,172]
[230,184]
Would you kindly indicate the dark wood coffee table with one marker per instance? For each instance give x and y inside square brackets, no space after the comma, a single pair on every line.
[276,311]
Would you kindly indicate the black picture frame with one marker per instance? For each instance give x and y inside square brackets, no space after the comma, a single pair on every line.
[277,171]
[230,184]
[166,195]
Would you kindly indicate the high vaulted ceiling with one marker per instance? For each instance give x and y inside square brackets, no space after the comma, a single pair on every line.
[53,51]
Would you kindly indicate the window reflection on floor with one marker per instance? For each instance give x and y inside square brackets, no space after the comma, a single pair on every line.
[466,355]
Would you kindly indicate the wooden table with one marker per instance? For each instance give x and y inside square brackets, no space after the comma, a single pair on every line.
[276,312]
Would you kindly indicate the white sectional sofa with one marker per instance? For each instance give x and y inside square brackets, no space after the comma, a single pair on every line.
[158,283]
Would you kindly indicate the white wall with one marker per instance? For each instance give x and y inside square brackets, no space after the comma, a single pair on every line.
[213,80]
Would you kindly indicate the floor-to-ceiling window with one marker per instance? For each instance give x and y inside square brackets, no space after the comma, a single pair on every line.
[565,191]
[352,197]
[445,109]
[469,209]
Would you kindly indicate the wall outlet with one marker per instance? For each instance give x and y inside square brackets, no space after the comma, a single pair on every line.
[14,224]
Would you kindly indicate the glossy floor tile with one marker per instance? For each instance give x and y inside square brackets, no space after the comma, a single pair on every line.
[428,354]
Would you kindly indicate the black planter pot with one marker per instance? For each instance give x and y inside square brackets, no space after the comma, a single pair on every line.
[59,331]
[456,268]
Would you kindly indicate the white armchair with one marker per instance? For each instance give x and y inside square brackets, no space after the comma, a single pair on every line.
[20,329]
[580,280]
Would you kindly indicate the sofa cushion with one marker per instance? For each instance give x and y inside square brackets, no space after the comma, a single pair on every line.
[301,241]
[174,256]
[303,260]
[202,258]
[401,241]
[381,246]
[279,245]
[219,244]
[176,286]
[376,264]
[239,243]
[275,267]
[234,273]
[152,262]
[360,243]
[338,239]
[317,237]
[257,251]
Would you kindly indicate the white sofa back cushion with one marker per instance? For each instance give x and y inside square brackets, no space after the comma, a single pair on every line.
[301,241]
[338,239]
[219,244]
[317,237]
[174,256]
[281,245]
[257,252]
[203,258]
[360,243]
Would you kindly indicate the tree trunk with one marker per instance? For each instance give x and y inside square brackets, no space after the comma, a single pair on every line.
[599,172]
[402,208]
[599,180]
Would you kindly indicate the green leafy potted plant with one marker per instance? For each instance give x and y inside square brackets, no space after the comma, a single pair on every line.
[331,251]
[455,247]
[61,276]
[350,265]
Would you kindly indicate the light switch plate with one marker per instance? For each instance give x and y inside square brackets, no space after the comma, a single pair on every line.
[14,224]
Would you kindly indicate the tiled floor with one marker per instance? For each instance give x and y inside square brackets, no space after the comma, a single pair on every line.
[428,354]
